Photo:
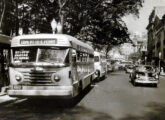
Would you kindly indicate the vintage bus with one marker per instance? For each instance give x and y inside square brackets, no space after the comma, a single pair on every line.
[100,65]
[50,65]
[4,60]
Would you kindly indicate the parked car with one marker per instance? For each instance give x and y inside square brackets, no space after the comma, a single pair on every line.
[144,74]
[115,65]
[100,65]
[109,65]
[122,64]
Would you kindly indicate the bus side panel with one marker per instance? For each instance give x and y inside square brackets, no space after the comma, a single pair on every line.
[85,73]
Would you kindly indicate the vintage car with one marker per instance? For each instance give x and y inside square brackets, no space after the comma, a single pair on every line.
[144,74]
[122,64]
[109,66]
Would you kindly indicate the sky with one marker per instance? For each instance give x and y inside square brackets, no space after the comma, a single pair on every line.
[139,25]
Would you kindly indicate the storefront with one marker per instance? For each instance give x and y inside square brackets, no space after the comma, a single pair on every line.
[4,59]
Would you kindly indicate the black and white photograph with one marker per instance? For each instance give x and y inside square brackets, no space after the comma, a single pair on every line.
[82,59]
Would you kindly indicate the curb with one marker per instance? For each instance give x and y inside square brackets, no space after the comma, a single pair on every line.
[6,99]
[162,75]
[2,94]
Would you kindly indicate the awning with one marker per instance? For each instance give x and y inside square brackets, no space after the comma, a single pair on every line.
[4,39]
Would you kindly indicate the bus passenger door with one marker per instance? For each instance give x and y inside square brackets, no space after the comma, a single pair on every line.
[74,67]
[74,73]
[4,80]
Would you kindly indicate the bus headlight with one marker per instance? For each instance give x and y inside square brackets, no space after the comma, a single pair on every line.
[57,78]
[18,77]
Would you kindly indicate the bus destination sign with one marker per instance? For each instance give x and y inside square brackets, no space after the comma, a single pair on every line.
[38,41]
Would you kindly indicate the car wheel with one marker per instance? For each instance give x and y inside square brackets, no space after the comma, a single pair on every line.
[134,83]
[130,76]
[156,85]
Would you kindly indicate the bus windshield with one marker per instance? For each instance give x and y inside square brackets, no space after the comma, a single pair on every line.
[96,58]
[40,55]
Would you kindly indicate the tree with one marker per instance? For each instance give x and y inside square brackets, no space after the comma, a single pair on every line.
[2,14]
[99,20]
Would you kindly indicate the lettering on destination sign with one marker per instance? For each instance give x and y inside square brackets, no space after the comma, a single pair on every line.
[38,41]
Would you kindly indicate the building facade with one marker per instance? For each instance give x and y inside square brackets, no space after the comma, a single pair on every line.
[156,37]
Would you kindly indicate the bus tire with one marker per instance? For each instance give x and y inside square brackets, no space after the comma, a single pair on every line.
[134,83]
[91,82]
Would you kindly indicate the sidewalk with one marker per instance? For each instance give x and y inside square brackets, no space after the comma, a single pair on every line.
[162,74]
[4,97]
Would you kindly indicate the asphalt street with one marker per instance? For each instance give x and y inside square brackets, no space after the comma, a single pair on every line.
[113,98]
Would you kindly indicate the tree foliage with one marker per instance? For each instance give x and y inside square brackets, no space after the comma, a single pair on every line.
[98,21]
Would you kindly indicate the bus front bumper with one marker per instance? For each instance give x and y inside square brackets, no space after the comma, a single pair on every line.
[40,91]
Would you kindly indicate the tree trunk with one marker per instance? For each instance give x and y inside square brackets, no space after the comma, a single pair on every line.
[2,16]
[61,14]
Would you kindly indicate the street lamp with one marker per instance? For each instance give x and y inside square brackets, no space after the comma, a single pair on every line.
[59,28]
[54,25]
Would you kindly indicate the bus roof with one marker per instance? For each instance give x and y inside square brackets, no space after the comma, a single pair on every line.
[4,39]
[62,40]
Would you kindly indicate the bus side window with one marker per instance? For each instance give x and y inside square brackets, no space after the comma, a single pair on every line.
[91,58]
[78,56]
[67,61]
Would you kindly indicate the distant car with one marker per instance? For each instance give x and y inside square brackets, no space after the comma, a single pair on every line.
[115,65]
[129,68]
[100,65]
[144,74]
[109,66]
[123,63]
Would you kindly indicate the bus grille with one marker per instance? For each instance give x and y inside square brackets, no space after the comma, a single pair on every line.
[37,78]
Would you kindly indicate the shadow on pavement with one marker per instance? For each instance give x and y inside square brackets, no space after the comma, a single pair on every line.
[156,112]
[50,109]
[25,109]
[119,72]
[59,103]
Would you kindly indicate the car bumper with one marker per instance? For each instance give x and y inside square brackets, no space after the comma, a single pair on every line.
[147,81]
[41,91]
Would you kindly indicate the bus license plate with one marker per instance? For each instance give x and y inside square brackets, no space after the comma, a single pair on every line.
[17,87]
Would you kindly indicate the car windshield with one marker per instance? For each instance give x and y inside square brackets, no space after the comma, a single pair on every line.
[141,73]
[144,68]
[48,55]
[151,75]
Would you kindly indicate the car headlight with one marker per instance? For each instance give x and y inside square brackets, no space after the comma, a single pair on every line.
[18,77]
[137,75]
[156,76]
